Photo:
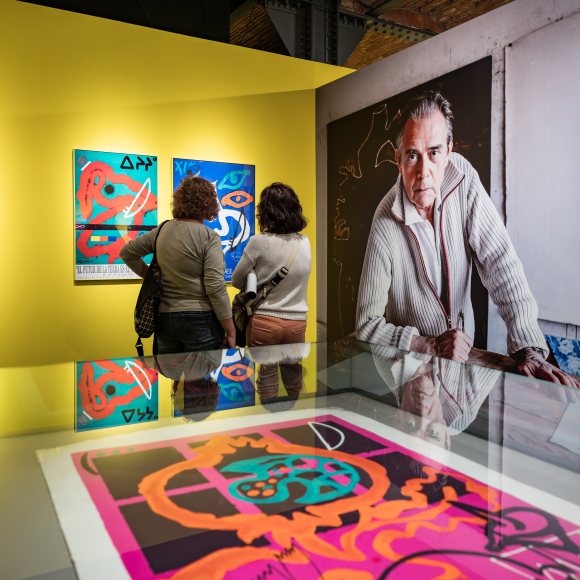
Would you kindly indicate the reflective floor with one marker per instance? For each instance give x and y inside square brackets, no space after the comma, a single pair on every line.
[299,461]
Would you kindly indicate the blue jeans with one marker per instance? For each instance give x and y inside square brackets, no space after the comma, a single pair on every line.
[188,332]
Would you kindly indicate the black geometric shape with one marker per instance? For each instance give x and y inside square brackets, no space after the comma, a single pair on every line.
[168,545]
[109,189]
[127,163]
[354,443]
[128,414]
[122,473]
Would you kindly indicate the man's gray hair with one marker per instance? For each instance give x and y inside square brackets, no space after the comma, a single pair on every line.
[423,106]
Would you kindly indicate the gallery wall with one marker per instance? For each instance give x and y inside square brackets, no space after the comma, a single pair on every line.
[542,171]
[489,35]
[73,81]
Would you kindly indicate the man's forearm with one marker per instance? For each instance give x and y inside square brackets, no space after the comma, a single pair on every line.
[424,344]
[528,351]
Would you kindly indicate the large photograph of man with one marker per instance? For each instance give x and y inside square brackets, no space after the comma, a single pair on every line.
[362,168]
[435,223]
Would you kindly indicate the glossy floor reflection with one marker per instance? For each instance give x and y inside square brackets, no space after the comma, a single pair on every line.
[346,461]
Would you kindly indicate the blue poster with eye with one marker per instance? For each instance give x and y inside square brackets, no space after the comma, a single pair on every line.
[235,186]
[115,392]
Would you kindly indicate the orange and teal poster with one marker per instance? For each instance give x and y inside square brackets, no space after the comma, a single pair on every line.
[115,201]
[115,392]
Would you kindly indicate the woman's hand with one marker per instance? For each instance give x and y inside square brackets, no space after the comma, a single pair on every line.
[229,341]
[230,332]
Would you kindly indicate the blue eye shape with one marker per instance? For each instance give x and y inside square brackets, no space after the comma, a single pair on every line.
[234,179]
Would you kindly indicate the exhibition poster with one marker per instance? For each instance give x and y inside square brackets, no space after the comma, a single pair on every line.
[235,186]
[115,201]
[302,494]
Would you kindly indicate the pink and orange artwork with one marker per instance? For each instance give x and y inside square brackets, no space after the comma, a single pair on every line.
[319,496]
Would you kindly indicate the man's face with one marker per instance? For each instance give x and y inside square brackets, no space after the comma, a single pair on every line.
[422,158]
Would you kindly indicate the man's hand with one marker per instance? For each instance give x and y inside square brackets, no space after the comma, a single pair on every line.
[533,364]
[452,344]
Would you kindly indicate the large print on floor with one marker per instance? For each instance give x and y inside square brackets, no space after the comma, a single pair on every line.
[235,186]
[115,201]
[307,497]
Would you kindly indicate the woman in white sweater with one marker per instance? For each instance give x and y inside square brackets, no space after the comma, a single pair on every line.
[281,318]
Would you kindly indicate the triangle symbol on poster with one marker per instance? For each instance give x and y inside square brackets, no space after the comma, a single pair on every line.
[127,163]
[128,414]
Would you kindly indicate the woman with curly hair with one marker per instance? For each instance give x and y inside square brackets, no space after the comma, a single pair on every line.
[281,318]
[194,312]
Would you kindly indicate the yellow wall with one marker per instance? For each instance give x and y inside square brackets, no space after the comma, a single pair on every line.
[72,81]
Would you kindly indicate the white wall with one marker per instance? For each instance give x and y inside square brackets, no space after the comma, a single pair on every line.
[543,164]
[489,34]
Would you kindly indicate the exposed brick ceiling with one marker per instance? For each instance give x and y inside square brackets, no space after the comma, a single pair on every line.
[251,26]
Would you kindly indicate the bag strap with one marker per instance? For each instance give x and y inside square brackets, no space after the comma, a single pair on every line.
[283,271]
[280,275]
[155,242]
[139,344]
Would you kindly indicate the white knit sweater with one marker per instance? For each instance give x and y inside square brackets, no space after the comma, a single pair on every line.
[266,254]
[396,300]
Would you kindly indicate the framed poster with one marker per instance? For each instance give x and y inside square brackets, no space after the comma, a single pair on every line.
[115,201]
[235,186]
[302,494]
[115,392]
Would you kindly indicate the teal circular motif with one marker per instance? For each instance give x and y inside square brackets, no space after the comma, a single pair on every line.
[305,479]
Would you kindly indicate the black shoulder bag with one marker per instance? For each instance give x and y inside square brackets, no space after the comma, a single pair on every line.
[147,307]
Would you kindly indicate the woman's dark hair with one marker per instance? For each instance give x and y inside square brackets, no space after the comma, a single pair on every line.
[279,210]
[195,198]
